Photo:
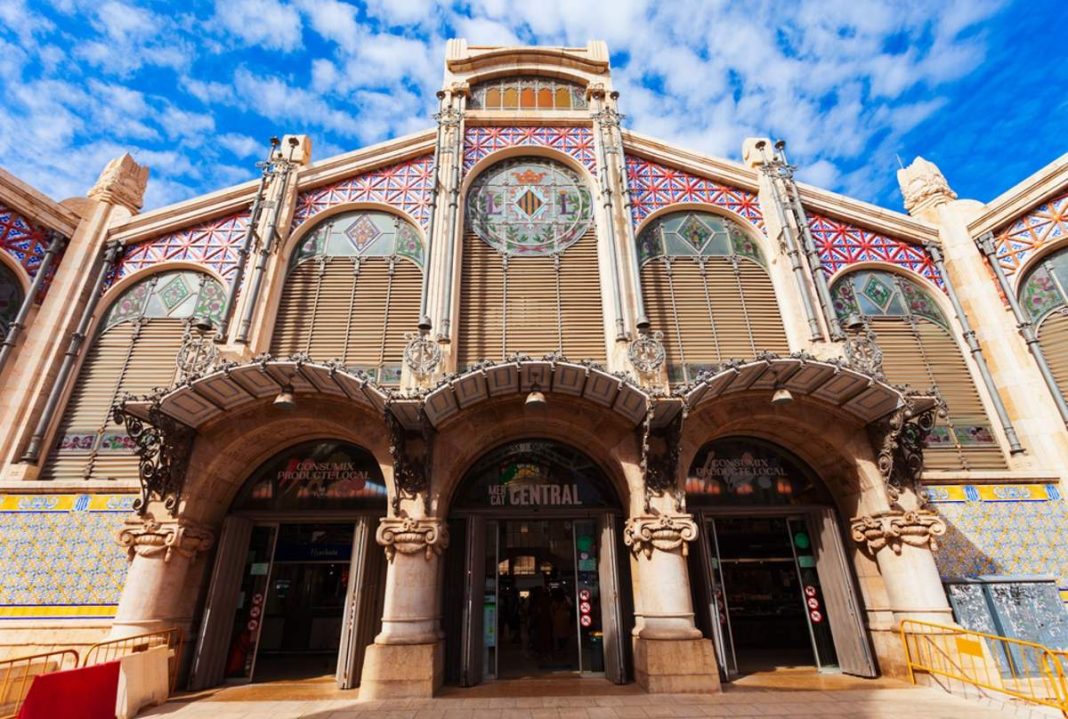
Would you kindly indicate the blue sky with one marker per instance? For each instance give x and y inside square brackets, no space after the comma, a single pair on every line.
[195,89]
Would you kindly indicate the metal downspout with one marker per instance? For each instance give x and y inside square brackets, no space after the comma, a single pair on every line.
[266,246]
[33,449]
[246,243]
[642,320]
[815,332]
[425,325]
[454,200]
[1023,324]
[823,292]
[604,117]
[8,345]
[977,351]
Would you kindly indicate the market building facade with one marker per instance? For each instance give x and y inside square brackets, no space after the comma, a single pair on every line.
[530,393]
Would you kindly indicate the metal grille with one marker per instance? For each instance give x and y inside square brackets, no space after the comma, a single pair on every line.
[711,309]
[533,305]
[133,357]
[353,310]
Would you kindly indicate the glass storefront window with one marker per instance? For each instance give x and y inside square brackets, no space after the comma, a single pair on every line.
[750,472]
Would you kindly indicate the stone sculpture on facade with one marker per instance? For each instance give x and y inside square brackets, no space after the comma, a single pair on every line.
[148,537]
[666,532]
[407,535]
[923,185]
[122,182]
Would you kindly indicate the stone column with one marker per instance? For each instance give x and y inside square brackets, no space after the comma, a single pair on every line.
[670,654]
[155,595]
[407,657]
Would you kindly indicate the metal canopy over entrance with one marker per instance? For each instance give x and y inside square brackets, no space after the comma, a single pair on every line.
[772,585]
[297,586]
[536,545]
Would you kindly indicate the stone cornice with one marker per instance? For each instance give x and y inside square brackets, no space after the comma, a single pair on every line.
[35,205]
[895,224]
[478,58]
[365,159]
[1049,181]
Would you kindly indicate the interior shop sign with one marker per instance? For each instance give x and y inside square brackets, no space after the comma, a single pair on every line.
[737,472]
[526,486]
[317,477]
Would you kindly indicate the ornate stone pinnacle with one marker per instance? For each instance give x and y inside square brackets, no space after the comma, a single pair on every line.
[923,186]
[892,529]
[408,536]
[147,537]
[122,182]
[666,532]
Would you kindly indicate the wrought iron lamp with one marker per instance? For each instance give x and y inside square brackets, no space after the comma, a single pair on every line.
[535,399]
[285,399]
[781,396]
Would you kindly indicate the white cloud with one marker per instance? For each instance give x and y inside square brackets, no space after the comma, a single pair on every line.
[241,146]
[269,24]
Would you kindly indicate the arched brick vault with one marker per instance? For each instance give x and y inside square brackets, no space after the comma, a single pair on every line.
[230,448]
[602,434]
[832,443]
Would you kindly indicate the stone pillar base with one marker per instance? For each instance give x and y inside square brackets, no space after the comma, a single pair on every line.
[402,671]
[676,666]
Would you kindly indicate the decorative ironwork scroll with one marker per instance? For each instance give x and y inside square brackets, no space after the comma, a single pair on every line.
[646,352]
[412,452]
[198,352]
[899,441]
[422,354]
[660,457]
[162,445]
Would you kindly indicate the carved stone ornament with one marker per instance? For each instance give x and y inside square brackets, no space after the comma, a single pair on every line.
[864,354]
[646,352]
[162,445]
[898,441]
[422,354]
[923,185]
[410,536]
[919,528]
[666,532]
[122,182]
[147,537]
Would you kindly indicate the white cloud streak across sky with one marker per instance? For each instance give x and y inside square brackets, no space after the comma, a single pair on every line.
[195,89]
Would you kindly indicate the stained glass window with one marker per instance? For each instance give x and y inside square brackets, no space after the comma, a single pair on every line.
[873,293]
[695,234]
[10,299]
[184,293]
[527,93]
[362,234]
[529,207]
[1045,289]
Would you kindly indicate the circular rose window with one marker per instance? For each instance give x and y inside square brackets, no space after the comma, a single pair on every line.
[529,207]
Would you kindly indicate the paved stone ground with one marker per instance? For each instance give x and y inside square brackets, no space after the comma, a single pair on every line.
[874,703]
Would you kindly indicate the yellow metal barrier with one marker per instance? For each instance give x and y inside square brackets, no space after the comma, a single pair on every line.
[117,648]
[1022,670]
[16,676]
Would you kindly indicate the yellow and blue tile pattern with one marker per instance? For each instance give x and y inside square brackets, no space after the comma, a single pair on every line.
[58,555]
[1002,529]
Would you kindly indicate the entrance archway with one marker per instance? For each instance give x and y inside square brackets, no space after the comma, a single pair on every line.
[536,546]
[772,586]
[298,580]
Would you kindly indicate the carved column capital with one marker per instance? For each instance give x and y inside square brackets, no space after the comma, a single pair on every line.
[666,532]
[918,528]
[147,537]
[408,536]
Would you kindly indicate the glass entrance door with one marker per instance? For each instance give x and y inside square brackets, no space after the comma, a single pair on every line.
[766,605]
[541,608]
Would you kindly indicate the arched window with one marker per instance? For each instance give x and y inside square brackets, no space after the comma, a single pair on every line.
[530,281]
[1044,295]
[919,350]
[527,93]
[352,292]
[11,297]
[706,287]
[134,351]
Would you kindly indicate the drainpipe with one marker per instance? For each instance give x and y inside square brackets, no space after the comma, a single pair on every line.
[454,201]
[977,352]
[1023,324]
[815,332]
[605,117]
[793,197]
[246,244]
[33,449]
[425,325]
[8,345]
[279,168]
[642,321]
